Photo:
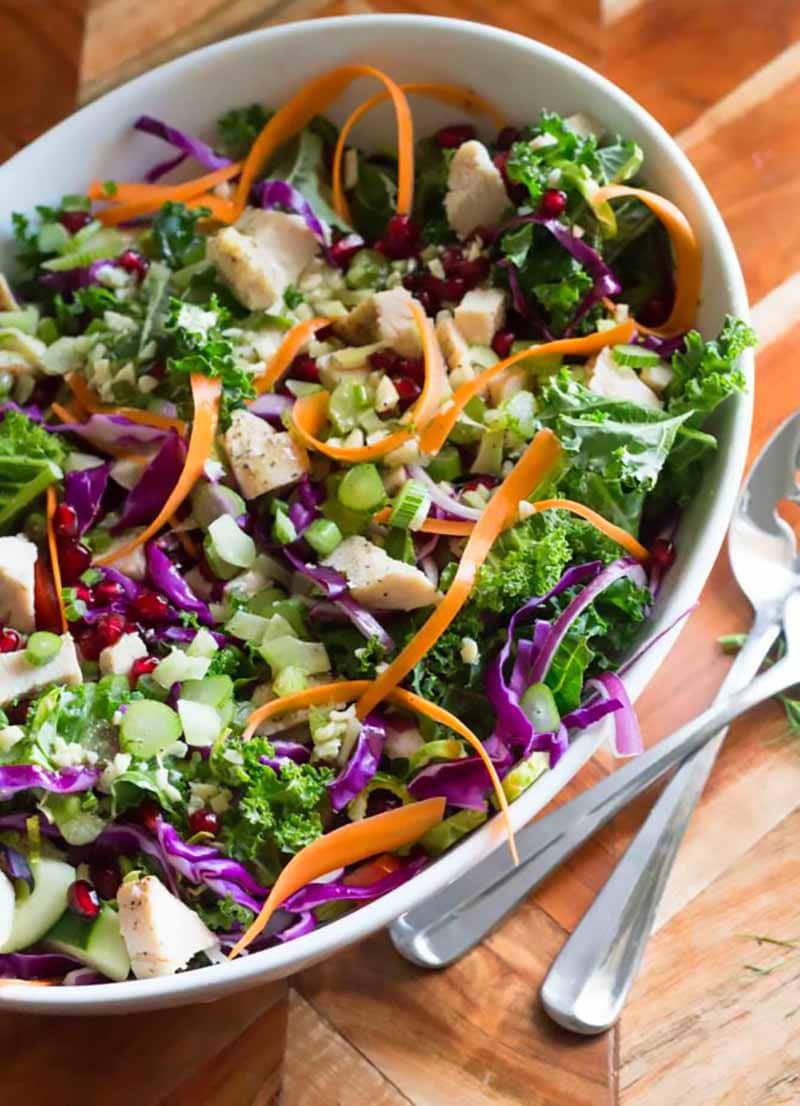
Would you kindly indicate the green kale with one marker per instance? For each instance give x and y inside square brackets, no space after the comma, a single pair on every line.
[22,438]
[373,200]
[548,274]
[87,304]
[707,372]
[29,463]
[83,714]
[352,657]
[234,662]
[222,915]
[174,236]
[302,164]
[238,129]
[526,560]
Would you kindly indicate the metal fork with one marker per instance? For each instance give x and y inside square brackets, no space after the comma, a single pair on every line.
[589,981]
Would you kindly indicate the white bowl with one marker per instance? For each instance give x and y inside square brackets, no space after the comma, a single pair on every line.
[520,76]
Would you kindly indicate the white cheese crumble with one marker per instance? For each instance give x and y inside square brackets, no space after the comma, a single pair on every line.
[70,754]
[470,653]
[116,767]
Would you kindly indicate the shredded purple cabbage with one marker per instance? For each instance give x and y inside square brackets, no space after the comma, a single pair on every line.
[270,406]
[116,431]
[362,765]
[464,783]
[317,894]
[627,735]
[36,965]
[155,484]
[279,193]
[165,576]
[205,866]
[161,168]
[305,924]
[186,143]
[21,777]
[84,491]
[284,751]
[15,864]
[72,280]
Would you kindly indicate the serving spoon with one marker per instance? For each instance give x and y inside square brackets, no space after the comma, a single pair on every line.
[589,981]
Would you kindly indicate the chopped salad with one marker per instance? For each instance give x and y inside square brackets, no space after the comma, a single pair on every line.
[335,486]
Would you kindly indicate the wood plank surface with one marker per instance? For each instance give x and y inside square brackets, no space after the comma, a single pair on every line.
[367,1029]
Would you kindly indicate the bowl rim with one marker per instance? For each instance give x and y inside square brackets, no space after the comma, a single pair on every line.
[218,980]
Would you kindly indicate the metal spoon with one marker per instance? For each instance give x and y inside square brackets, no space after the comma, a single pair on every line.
[589,994]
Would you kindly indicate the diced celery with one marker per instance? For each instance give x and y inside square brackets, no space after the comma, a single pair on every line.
[47,331]
[521,414]
[368,269]
[276,626]
[201,723]
[290,681]
[361,488]
[229,544]
[400,545]
[323,535]
[262,602]
[26,320]
[246,626]
[446,465]
[178,666]
[521,777]
[213,690]
[283,529]
[209,501]
[410,507]
[203,644]
[52,238]
[42,647]
[293,612]
[148,728]
[489,458]
[289,652]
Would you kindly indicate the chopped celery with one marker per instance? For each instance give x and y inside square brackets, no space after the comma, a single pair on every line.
[209,501]
[178,666]
[148,728]
[290,681]
[229,545]
[283,529]
[26,320]
[323,535]
[361,488]
[201,723]
[289,652]
[446,465]
[400,545]
[442,837]
[489,458]
[368,269]
[521,777]
[202,644]
[52,238]
[411,506]
[276,626]
[42,647]
[246,626]
[263,601]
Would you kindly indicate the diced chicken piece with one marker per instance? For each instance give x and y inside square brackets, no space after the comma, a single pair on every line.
[451,341]
[20,679]
[262,255]
[386,395]
[378,580]
[386,317]
[262,458]
[476,195]
[17,568]
[480,315]
[117,659]
[133,564]
[7,301]
[620,382]
[160,933]
[658,377]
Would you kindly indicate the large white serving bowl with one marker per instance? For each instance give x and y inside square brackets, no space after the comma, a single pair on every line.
[520,76]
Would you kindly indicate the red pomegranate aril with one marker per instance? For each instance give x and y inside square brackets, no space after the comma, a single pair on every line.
[142,666]
[110,629]
[654,312]
[450,138]
[10,640]
[553,203]
[82,899]
[385,360]
[106,878]
[343,251]
[304,368]
[407,389]
[401,237]
[108,591]
[149,814]
[133,262]
[74,221]
[65,521]
[663,552]
[413,367]
[502,343]
[507,137]
[74,558]
[150,608]
[479,482]
[88,643]
[204,821]
[470,272]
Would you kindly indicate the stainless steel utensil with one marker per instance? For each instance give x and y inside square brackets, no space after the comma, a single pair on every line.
[588,996]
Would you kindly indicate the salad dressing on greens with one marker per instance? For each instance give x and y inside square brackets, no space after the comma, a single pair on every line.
[334,486]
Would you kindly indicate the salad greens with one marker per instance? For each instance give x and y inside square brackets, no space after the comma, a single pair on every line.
[234,414]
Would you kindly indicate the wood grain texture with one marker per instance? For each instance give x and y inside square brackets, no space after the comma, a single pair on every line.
[366,1029]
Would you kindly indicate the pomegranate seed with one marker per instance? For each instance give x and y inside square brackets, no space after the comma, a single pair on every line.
[553,203]
[133,262]
[401,237]
[86,595]
[479,482]
[663,552]
[88,643]
[450,138]
[106,878]
[65,521]
[142,666]
[204,821]
[507,137]
[471,272]
[502,343]
[407,390]
[82,899]
[413,367]
[517,192]
[304,368]
[110,629]
[74,558]
[149,814]
[434,291]
[108,591]
[10,641]
[343,251]
[74,220]
[654,312]
[385,360]
[150,608]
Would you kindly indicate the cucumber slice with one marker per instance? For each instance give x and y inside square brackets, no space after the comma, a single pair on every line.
[635,357]
[7,903]
[539,705]
[213,690]
[201,723]
[148,728]
[97,943]
[42,908]
[289,652]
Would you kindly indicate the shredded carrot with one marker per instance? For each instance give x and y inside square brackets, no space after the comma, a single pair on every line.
[439,428]
[454,528]
[501,511]
[221,210]
[87,398]
[184,539]
[139,192]
[342,692]
[52,547]
[688,255]
[373,870]
[347,845]
[30,982]
[310,413]
[454,95]
[64,413]
[206,392]
[286,352]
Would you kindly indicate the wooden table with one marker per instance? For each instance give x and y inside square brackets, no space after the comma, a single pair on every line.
[702,1026]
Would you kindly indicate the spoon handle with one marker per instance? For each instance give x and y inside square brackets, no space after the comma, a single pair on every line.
[454,920]
[591,977]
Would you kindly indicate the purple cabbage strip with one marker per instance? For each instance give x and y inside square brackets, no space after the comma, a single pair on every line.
[21,777]
[127,838]
[583,717]
[362,765]
[664,347]
[464,783]
[155,484]
[186,143]
[165,576]
[36,965]
[306,923]
[163,167]
[83,977]
[270,406]
[627,735]
[18,823]
[72,280]
[311,494]
[287,751]
[205,865]
[317,894]
[301,516]
[556,744]
[131,587]
[33,412]
[279,193]
[625,566]
[15,865]
[84,491]
[103,431]
[512,723]
[181,635]
[335,587]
